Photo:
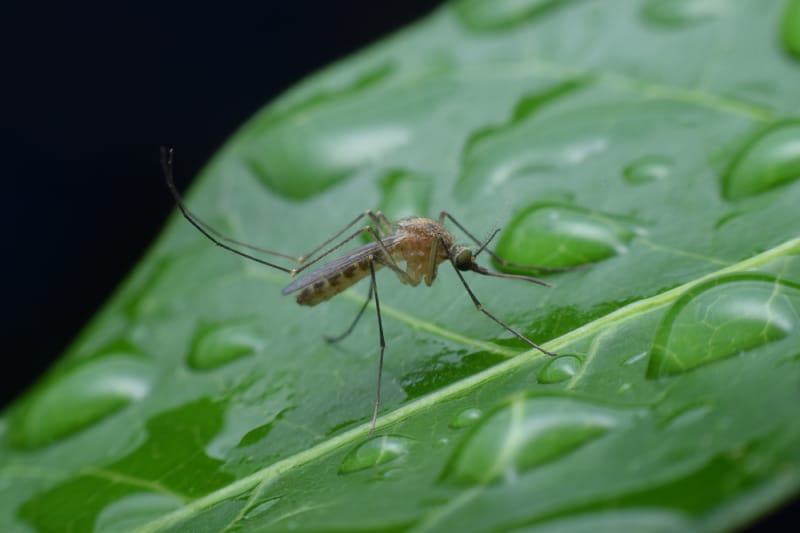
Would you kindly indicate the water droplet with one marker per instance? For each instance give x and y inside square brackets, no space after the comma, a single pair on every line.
[677,13]
[130,512]
[219,344]
[790,28]
[770,159]
[78,398]
[528,432]
[518,149]
[374,452]
[466,418]
[646,169]
[499,14]
[553,235]
[405,194]
[559,369]
[722,318]
[303,153]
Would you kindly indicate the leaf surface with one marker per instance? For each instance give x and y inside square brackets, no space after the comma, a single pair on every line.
[656,140]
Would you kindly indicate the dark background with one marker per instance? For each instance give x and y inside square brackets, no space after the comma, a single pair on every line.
[95,90]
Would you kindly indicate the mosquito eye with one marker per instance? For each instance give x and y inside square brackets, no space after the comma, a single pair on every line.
[463,259]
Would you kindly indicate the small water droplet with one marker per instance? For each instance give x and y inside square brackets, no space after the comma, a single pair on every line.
[466,418]
[677,13]
[559,369]
[553,235]
[647,169]
[222,343]
[526,433]
[722,318]
[770,159]
[500,14]
[790,28]
[374,452]
[79,398]
[405,194]
[261,508]
[130,512]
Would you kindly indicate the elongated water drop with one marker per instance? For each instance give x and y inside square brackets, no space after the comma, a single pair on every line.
[722,318]
[466,418]
[79,398]
[553,235]
[559,369]
[526,433]
[770,159]
[646,169]
[219,344]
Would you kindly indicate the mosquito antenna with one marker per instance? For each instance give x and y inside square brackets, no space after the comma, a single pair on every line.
[486,242]
[481,270]
[204,228]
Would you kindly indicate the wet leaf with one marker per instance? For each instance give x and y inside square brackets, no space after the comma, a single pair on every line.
[655,139]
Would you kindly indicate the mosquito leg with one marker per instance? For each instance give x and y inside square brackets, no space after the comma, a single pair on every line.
[337,338]
[483,310]
[212,234]
[503,262]
[380,219]
[305,257]
[383,348]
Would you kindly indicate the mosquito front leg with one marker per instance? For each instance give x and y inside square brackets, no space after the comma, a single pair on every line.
[503,262]
[483,310]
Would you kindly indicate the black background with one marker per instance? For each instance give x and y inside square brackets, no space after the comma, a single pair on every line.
[93,90]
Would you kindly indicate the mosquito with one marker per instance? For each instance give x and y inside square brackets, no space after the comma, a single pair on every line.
[421,243]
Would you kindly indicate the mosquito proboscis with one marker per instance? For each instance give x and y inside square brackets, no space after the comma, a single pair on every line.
[421,243]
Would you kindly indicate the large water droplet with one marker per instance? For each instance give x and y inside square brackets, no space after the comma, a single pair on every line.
[722,318]
[559,369]
[790,28]
[218,344]
[499,14]
[526,433]
[769,160]
[130,512]
[374,452]
[405,194]
[677,13]
[78,398]
[646,169]
[551,235]
[304,152]
[466,418]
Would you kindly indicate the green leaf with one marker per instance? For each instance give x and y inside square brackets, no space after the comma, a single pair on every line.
[656,139]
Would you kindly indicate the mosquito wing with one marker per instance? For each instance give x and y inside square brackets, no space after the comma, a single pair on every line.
[357,259]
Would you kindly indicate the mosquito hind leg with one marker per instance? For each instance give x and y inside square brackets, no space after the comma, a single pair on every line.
[336,338]
[382,343]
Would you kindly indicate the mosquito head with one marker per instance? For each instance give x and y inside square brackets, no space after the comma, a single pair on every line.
[463,257]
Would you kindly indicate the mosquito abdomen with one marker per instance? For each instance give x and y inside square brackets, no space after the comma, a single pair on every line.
[331,284]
